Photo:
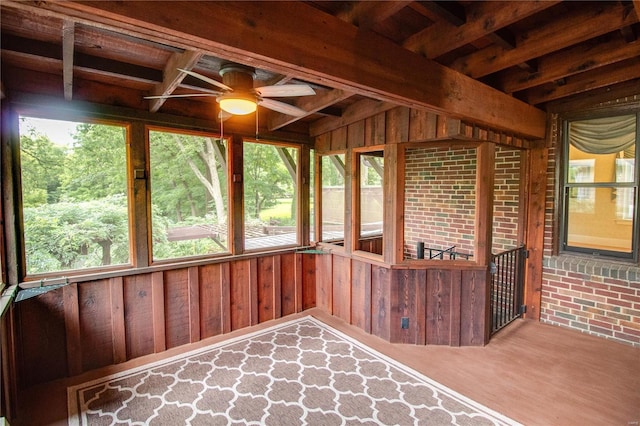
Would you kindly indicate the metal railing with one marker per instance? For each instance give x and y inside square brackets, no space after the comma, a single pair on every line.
[507,287]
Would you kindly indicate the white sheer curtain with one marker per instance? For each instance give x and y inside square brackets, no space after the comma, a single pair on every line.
[603,135]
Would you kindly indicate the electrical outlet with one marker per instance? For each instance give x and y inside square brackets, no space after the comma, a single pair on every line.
[404,322]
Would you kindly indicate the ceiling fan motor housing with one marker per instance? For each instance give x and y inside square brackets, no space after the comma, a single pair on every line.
[239,77]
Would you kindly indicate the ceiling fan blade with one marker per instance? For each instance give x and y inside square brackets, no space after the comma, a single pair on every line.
[224,115]
[207,79]
[285,90]
[186,95]
[283,107]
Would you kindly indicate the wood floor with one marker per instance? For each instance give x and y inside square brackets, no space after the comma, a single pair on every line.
[534,373]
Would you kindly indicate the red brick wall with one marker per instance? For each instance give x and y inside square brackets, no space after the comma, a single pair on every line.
[590,294]
[440,199]
[506,200]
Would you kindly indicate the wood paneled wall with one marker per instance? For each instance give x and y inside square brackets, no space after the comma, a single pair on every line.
[92,324]
[445,305]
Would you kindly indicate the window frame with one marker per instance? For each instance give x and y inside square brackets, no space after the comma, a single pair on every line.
[356,225]
[339,243]
[45,114]
[564,188]
[299,182]
[190,132]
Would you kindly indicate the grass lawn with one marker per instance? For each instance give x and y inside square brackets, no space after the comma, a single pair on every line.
[281,211]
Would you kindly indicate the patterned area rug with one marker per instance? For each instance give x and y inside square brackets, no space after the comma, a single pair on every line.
[299,372]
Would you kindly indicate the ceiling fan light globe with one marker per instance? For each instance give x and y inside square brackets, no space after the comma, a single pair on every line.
[237,106]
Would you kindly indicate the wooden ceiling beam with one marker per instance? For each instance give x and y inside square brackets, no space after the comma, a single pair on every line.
[588,21]
[602,77]
[567,62]
[484,19]
[317,48]
[311,104]
[173,76]
[68,45]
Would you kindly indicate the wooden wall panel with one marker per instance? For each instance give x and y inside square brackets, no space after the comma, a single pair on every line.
[92,324]
[240,294]
[422,125]
[342,287]
[397,126]
[290,283]
[309,280]
[116,289]
[375,130]
[361,295]
[408,294]
[41,342]
[267,287]
[96,331]
[211,305]
[355,134]
[176,307]
[473,299]
[324,284]
[439,303]
[380,302]
[138,309]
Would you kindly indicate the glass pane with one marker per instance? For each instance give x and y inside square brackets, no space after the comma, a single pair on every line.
[188,195]
[270,196]
[602,150]
[333,181]
[74,191]
[371,201]
[600,218]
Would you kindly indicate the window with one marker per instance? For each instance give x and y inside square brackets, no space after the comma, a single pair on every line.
[371,205]
[332,187]
[188,194]
[74,195]
[600,186]
[270,195]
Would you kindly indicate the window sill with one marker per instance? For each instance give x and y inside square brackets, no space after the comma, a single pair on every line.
[593,265]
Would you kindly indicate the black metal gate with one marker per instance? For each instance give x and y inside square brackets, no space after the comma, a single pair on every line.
[507,287]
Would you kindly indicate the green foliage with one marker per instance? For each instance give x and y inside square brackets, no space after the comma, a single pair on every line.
[96,167]
[44,162]
[265,178]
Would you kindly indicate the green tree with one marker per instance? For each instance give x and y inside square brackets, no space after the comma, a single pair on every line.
[265,177]
[97,165]
[42,164]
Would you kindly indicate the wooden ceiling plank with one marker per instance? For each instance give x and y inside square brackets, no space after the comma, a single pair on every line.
[636,7]
[68,44]
[360,61]
[602,77]
[567,62]
[360,110]
[602,95]
[366,14]
[488,17]
[586,22]
[173,76]
[310,104]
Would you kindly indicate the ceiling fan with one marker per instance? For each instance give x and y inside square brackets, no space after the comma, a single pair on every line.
[237,95]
